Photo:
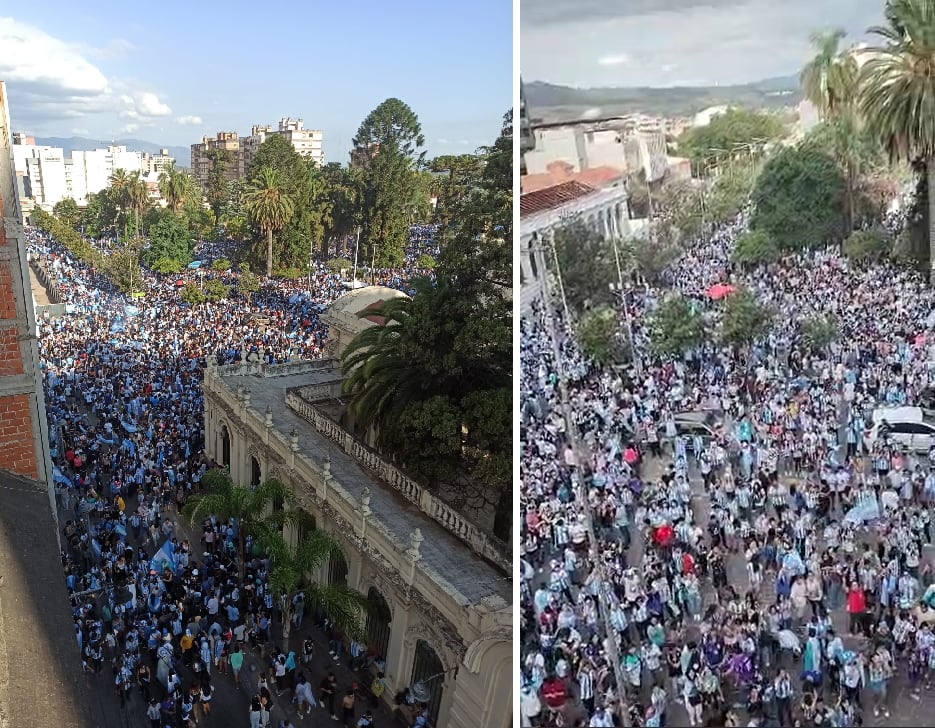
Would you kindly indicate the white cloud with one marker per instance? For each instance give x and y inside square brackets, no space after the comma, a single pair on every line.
[129,128]
[190,120]
[149,104]
[50,80]
[619,59]
[80,131]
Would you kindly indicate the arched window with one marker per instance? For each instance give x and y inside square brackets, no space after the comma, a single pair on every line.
[427,668]
[379,617]
[225,447]
[337,570]
[256,474]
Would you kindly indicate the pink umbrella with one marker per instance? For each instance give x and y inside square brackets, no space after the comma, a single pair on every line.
[719,291]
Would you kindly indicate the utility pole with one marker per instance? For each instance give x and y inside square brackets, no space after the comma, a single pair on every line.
[606,596]
[637,360]
[356,250]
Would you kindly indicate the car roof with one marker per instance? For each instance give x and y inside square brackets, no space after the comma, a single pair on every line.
[898,414]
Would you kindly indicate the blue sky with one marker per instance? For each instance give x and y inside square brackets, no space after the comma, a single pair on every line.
[171,72]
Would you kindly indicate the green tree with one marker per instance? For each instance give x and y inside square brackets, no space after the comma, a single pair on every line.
[676,327]
[254,511]
[191,294]
[864,246]
[587,266]
[458,173]
[169,238]
[336,265]
[728,132]
[599,336]
[745,320]
[67,211]
[829,78]
[388,146]
[290,568]
[221,264]
[166,266]
[215,290]
[177,187]
[897,91]
[122,267]
[425,262]
[798,199]
[216,185]
[345,187]
[270,208]
[754,247]
[120,195]
[247,282]
[819,332]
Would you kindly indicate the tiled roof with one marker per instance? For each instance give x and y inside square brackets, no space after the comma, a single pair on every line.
[551,197]
[558,172]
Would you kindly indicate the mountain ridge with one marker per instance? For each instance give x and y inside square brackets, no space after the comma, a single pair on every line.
[182,155]
[547,100]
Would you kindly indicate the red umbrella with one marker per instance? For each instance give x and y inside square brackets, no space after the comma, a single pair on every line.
[180,282]
[719,291]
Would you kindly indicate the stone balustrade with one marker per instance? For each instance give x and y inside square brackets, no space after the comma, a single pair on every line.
[482,543]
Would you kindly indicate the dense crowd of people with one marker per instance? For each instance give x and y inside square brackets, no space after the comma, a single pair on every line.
[768,566]
[122,382]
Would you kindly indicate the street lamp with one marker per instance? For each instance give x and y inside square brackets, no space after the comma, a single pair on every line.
[356,249]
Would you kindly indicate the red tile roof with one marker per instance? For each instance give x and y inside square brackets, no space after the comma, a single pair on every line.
[375,318]
[551,197]
[559,172]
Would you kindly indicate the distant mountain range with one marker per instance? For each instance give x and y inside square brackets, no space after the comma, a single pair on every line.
[550,102]
[182,155]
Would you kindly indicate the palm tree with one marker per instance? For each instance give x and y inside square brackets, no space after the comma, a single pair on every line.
[138,197]
[829,81]
[175,187]
[380,377]
[269,207]
[897,91]
[119,186]
[290,568]
[255,511]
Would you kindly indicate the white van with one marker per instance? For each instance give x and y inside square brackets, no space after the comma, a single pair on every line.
[908,427]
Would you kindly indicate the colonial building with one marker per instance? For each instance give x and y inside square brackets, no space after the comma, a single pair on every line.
[343,316]
[441,587]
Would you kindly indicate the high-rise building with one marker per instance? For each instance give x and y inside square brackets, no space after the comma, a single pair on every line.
[306,142]
[250,144]
[154,164]
[201,156]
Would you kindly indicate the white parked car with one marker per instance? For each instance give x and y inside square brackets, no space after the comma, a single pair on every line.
[908,427]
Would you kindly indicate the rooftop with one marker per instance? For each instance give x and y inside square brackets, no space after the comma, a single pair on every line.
[559,172]
[449,558]
[552,197]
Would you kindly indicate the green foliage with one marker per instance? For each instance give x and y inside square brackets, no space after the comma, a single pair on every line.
[728,133]
[166,265]
[191,294]
[435,380]
[247,282]
[214,290]
[222,264]
[820,332]
[425,261]
[599,335]
[67,211]
[648,258]
[798,199]
[66,235]
[867,245]
[745,320]
[288,273]
[676,327]
[754,247]
[387,149]
[122,267]
[730,192]
[587,265]
[336,265]
[270,207]
[216,185]
[168,238]
[454,175]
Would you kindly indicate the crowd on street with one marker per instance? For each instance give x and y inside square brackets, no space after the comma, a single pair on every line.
[160,610]
[743,527]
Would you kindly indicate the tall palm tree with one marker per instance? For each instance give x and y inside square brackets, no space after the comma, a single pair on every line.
[290,568]
[119,187]
[254,510]
[138,197]
[380,376]
[269,207]
[175,187]
[897,91]
[829,79]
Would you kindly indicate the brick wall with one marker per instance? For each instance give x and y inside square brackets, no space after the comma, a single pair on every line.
[17,443]
[17,453]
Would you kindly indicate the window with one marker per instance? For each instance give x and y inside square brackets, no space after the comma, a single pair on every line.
[378,622]
[428,669]
[337,570]
[225,447]
[256,474]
